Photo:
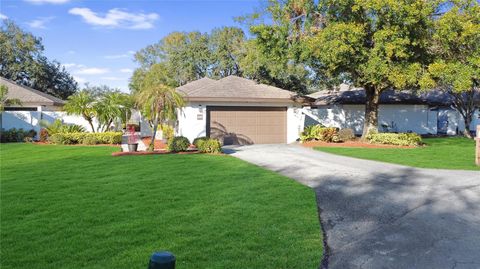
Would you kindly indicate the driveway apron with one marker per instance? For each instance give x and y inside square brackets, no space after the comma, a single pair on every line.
[379,215]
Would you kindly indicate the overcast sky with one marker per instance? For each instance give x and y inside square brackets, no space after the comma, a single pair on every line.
[95,39]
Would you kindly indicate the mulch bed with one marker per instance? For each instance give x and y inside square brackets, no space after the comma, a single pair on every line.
[127,153]
[77,145]
[158,145]
[351,144]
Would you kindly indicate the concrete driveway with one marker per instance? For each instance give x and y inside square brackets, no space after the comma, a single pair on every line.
[378,215]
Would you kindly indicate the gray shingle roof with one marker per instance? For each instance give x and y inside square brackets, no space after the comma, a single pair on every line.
[27,95]
[357,96]
[232,88]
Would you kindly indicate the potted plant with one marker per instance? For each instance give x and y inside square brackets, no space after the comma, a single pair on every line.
[132,139]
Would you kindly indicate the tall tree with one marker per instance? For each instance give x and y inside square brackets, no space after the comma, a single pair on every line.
[157,100]
[22,61]
[227,48]
[456,48]
[375,44]
[185,55]
[276,55]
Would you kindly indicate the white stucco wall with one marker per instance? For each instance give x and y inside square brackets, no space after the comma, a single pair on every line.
[456,122]
[192,120]
[406,118]
[29,120]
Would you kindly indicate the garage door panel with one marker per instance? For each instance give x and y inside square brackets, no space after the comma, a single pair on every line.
[247,125]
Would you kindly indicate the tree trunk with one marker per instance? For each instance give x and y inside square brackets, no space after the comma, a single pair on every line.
[151,147]
[371,110]
[91,125]
[467,119]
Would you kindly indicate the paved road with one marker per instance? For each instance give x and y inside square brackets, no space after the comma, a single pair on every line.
[379,215]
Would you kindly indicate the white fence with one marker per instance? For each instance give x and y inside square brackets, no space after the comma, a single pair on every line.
[30,120]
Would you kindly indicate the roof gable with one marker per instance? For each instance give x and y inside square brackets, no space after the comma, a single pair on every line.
[28,95]
[233,87]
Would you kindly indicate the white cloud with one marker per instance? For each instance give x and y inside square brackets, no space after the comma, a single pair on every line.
[47,1]
[71,52]
[116,18]
[126,70]
[39,23]
[80,69]
[91,71]
[3,17]
[79,79]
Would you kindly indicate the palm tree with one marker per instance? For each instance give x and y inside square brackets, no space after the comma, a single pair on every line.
[82,103]
[111,106]
[158,101]
[5,101]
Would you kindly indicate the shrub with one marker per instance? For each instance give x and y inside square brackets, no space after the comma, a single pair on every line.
[57,126]
[199,140]
[318,132]
[209,145]
[73,128]
[86,138]
[400,139]
[346,134]
[89,140]
[58,139]
[17,135]
[178,143]
[167,132]
[43,135]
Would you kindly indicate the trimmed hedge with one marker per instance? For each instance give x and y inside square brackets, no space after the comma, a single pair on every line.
[400,139]
[86,138]
[209,145]
[17,135]
[178,143]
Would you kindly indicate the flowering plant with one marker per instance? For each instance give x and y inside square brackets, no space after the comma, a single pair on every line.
[132,137]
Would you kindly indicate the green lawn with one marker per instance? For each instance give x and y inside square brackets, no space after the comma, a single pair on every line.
[445,153]
[78,207]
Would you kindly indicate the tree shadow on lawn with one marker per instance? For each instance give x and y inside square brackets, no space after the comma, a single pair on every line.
[404,218]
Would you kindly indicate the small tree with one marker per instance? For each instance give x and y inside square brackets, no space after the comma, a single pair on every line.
[158,101]
[82,103]
[456,48]
[111,106]
[5,101]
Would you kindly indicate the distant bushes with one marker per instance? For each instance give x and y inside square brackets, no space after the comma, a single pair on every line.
[400,139]
[86,138]
[319,132]
[17,135]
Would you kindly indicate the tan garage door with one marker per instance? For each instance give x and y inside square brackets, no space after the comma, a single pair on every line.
[247,125]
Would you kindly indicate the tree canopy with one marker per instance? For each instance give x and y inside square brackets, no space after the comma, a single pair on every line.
[456,52]
[23,61]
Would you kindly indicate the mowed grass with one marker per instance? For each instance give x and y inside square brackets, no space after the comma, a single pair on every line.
[444,153]
[79,207]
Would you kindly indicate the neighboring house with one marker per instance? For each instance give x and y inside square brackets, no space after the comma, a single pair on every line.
[399,111]
[35,106]
[240,111]
[31,99]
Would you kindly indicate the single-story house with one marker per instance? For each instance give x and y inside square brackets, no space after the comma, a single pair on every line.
[31,99]
[35,107]
[399,111]
[240,111]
